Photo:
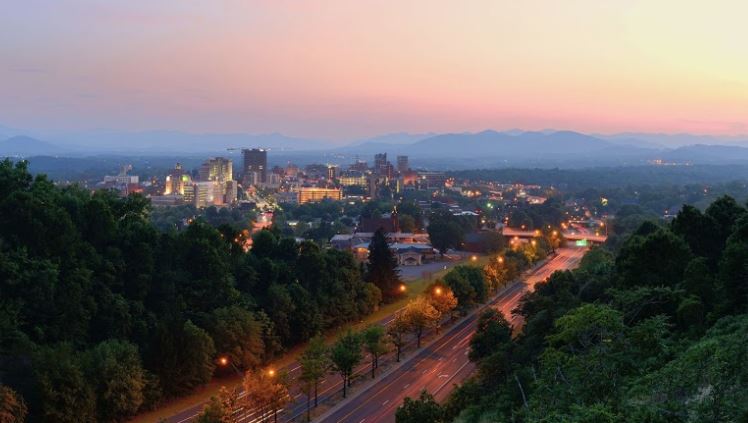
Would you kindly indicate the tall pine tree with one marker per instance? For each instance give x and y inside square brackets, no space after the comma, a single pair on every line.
[381,269]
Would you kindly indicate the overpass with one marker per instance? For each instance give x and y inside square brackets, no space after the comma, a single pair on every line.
[568,235]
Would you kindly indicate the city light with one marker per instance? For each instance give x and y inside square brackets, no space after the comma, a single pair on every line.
[271,372]
[501,259]
[474,258]
[223,361]
[438,291]
[403,288]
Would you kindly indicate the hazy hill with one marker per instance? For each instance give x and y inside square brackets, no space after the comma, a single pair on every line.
[175,141]
[708,154]
[23,146]
[500,144]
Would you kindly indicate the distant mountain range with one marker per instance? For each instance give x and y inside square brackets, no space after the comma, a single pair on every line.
[23,146]
[486,148]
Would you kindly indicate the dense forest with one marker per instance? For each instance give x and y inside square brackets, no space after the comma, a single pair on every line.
[656,331]
[103,315]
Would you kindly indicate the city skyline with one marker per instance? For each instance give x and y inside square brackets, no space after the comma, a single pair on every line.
[343,71]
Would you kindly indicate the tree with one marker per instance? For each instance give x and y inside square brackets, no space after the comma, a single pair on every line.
[445,235]
[469,285]
[375,343]
[118,379]
[420,315]
[266,390]
[237,334]
[183,355]
[381,269]
[497,272]
[263,243]
[422,410]
[278,392]
[407,223]
[658,258]
[345,354]
[397,331]
[64,393]
[314,362]
[492,332]
[12,406]
[221,408]
[442,299]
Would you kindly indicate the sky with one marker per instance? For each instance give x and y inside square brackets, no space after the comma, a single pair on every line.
[342,69]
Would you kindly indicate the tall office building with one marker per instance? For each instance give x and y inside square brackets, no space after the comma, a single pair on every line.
[402,164]
[380,163]
[217,169]
[255,160]
[177,180]
[331,172]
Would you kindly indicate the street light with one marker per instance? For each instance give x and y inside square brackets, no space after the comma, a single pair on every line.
[501,259]
[271,372]
[223,361]
[403,288]
[474,258]
[438,291]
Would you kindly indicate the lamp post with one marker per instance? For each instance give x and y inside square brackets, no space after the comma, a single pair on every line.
[224,361]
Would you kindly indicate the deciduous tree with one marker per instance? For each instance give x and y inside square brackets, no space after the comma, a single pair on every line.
[345,354]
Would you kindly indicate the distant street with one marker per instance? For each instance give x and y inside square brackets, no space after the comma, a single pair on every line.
[445,363]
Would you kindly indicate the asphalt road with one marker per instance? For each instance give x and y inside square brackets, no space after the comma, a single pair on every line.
[331,385]
[443,364]
[457,337]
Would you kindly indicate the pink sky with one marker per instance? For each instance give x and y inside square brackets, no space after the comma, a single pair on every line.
[346,69]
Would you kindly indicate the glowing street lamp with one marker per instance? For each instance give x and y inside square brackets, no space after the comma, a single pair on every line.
[224,361]
[474,258]
[403,288]
[438,291]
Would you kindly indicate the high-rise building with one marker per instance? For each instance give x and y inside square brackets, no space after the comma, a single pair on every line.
[204,194]
[359,165]
[217,169]
[402,164]
[331,172]
[229,196]
[255,160]
[380,163]
[352,178]
[177,180]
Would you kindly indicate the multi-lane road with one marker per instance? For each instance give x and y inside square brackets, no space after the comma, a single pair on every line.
[441,365]
[331,385]
[435,368]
